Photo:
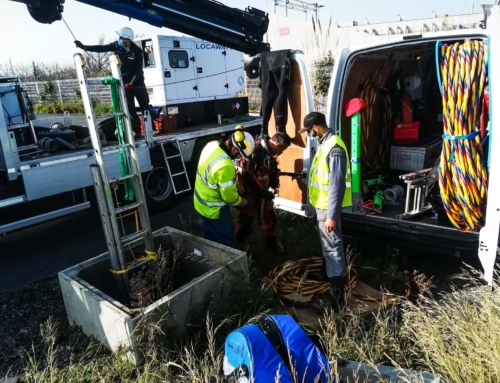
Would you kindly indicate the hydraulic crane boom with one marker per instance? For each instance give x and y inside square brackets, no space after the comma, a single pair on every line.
[206,19]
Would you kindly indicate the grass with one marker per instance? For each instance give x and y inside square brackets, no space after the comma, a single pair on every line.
[453,333]
[70,106]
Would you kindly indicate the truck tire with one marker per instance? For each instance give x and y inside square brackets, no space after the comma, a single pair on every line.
[158,187]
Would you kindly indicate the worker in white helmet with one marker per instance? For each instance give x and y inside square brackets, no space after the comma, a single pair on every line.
[132,72]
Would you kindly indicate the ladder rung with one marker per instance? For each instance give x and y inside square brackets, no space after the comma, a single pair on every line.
[133,237]
[128,207]
[177,155]
[94,82]
[123,178]
[183,191]
[109,115]
[178,174]
[124,146]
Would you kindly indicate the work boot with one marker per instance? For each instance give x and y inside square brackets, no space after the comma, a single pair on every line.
[337,293]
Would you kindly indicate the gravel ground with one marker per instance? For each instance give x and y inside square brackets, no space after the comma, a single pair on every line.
[24,311]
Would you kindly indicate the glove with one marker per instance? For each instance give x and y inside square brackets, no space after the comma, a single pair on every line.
[79,44]
[129,85]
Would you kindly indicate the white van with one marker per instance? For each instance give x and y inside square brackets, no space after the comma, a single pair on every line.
[403,74]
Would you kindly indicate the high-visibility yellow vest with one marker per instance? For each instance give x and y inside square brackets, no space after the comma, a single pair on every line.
[215,185]
[319,175]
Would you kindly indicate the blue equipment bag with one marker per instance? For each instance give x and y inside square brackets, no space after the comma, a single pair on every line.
[277,344]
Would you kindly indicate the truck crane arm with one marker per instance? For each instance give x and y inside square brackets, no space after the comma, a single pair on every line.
[206,19]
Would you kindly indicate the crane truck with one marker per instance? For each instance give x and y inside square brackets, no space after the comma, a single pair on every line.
[395,140]
[42,177]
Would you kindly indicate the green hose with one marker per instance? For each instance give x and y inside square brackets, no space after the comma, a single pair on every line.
[124,166]
[377,200]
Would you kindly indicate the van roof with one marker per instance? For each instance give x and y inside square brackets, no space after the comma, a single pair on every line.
[414,38]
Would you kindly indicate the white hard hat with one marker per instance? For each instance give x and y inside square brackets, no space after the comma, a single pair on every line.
[126,32]
[244,142]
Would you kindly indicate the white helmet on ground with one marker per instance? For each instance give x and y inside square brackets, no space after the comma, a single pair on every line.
[126,33]
[244,142]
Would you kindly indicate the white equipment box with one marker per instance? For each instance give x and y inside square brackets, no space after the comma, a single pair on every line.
[181,70]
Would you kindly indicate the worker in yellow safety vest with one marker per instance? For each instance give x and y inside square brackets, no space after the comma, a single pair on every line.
[329,188]
[216,188]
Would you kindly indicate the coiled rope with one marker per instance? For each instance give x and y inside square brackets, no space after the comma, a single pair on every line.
[298,277]
[377,98]
[463,176]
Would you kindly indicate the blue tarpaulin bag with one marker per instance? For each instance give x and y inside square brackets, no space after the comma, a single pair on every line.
[276,345]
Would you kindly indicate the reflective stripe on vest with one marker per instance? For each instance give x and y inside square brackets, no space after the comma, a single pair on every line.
[206,203]
[319,175]
[207,195]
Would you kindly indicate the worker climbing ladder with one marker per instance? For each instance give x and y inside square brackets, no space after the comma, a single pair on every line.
[130,176]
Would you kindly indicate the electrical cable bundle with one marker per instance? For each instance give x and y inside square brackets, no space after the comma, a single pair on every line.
[463,176]
[298,277]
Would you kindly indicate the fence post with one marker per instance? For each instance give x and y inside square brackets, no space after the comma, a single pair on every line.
[37,91]
[60,94]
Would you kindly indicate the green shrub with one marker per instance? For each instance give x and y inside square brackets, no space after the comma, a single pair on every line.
[47,93]
[323,74]
[71,107]
[103,108]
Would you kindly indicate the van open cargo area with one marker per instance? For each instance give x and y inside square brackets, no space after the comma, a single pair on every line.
[401,135]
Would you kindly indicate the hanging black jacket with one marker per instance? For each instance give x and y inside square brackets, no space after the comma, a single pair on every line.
[131,61]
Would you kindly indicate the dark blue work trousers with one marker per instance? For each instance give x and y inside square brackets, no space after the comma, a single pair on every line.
[221,230]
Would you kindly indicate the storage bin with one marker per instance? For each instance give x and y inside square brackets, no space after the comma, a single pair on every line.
[413,158]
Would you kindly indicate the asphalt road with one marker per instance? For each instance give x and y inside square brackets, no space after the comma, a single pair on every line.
[46,249]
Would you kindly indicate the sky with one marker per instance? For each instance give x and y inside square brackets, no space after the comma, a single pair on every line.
[25,40]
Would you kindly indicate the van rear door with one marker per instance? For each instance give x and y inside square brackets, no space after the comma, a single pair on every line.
[292,196]
[489,234]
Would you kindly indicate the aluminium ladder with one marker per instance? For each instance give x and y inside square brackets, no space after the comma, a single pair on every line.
[182,172]
[103,185]
[181,175]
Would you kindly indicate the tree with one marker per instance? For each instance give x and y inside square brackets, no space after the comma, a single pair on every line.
[37,71]
[324,67]
[98,63]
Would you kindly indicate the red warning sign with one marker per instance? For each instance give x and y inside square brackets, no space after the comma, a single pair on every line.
[284,31]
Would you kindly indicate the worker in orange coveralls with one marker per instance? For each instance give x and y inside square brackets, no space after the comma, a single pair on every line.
[256,176]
